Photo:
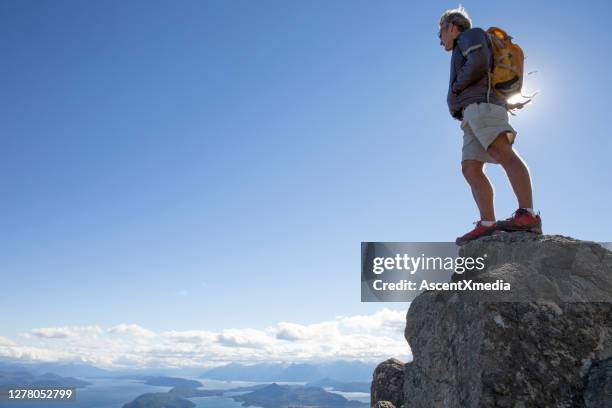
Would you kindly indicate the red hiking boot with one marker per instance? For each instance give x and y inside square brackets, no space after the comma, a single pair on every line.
[522,220]
[479,231]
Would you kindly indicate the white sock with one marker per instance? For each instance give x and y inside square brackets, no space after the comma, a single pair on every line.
[487,223]
[530,210]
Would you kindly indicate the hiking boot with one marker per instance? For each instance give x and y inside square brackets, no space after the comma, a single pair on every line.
[522,220]
[479,231]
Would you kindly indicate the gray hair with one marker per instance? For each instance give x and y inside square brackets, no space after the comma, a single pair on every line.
[458,17]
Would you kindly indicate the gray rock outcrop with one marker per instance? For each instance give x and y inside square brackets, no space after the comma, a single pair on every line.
[384,404]
[388,383]
[547,343]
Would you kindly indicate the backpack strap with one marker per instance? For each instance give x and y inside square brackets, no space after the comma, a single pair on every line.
[470,49]
[488,84]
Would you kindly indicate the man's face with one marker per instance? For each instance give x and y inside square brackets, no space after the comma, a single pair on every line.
[447,35]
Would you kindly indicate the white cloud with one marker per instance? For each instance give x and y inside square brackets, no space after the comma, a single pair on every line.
[28,353]
[131,329]
[317,331]
[373,337]
[250,338]
[6,342]
[383,321]
[64,332]
[190,336]
[51,332]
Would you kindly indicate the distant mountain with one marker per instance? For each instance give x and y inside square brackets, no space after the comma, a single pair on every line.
[86,370]
[63,369]
[344,371]
[354,386]
[27,379]
[278,396]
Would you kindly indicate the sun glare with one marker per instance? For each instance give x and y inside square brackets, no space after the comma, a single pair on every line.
[517,98]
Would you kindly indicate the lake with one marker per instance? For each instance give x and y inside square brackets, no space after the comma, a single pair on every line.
[113,393]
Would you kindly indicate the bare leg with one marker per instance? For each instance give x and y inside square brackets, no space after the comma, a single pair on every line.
[482,190]
[516,170]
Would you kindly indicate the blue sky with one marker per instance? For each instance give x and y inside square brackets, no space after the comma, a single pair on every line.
[204,165]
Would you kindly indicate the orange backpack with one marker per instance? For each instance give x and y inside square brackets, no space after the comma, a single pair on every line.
[506,76]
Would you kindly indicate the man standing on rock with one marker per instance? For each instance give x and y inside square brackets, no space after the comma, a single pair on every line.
[487,135]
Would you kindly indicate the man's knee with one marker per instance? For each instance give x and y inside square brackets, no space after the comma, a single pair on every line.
[472,169]
[501,149]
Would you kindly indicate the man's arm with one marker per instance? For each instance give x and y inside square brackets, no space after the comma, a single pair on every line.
[477,56]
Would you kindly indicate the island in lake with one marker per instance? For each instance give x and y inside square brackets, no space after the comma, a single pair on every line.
[160,400]
[278,396]
[265,396]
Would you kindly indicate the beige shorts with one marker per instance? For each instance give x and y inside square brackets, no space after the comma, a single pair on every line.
[481,124]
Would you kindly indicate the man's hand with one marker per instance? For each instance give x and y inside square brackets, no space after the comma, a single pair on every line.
[454,89]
